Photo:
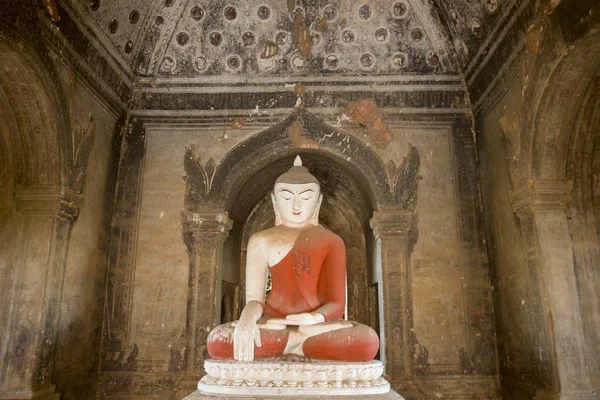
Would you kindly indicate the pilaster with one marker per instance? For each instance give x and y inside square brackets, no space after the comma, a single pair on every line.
[204,235]
[116,347]
[48,212]
[395,234]
[542,208]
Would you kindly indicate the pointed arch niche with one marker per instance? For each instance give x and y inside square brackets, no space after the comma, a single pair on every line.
[370,206]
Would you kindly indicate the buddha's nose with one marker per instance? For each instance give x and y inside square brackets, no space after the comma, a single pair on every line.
[296,205]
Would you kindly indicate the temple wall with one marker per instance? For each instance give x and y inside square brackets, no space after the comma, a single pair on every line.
[83,295]
[161,272]
[453,318]
[507,251]
[57,177]
[537,122]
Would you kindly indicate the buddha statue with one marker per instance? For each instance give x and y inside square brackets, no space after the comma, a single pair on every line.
[303,314]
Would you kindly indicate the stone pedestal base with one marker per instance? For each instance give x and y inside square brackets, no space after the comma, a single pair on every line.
[391,395]
[283,379]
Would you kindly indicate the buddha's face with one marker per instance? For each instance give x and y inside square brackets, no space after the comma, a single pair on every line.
[296,203]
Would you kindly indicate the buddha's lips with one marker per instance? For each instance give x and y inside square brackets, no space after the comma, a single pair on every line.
[297,212]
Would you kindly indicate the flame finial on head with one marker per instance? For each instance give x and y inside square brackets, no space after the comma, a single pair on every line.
[298,174]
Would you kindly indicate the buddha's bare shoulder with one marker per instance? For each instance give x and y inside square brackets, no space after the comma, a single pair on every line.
[264,236]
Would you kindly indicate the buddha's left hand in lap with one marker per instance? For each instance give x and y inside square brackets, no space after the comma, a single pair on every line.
[301,319]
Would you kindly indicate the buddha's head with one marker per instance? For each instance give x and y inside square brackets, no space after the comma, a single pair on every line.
[297,197]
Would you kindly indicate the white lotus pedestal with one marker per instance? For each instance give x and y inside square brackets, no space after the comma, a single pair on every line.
[293,379]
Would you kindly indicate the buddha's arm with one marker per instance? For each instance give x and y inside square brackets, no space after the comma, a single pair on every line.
[256,278]
[333,282]
[246,334]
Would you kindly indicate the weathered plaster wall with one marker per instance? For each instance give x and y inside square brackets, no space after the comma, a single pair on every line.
[84,292]
[507,252]
[453,318]
[536,126]
[437,284]
[161,272]
[452,303]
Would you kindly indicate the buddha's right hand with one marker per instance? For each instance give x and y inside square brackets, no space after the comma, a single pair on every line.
[245,335]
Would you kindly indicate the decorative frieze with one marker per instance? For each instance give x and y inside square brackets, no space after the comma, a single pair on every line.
[182,99]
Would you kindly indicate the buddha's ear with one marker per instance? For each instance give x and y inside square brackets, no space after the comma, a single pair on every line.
[277,215]
[315,217]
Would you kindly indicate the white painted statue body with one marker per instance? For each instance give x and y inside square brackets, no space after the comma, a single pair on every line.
[296,200]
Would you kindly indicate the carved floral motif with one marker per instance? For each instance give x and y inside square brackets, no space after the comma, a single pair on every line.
[302,377]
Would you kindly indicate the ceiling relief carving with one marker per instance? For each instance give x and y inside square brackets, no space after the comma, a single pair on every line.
[297,37]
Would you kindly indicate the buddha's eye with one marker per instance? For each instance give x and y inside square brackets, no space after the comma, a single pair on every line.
[286,198]
[305,198]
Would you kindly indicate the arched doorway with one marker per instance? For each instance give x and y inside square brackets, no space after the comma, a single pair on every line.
[30,174]
[346,210]
[558,164]
[370,205]
[582,168]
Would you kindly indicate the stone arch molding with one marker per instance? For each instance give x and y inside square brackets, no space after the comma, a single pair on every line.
[61,146]
[212,186]
[566,70]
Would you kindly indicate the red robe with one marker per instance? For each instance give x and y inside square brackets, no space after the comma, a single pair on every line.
[310,278]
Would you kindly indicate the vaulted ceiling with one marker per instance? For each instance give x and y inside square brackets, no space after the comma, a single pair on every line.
[290,37]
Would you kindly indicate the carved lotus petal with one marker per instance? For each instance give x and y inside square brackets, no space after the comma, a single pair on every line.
[350,374]
[321,375]
[308,375]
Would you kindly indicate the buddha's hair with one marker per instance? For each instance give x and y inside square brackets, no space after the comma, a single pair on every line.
[298,174]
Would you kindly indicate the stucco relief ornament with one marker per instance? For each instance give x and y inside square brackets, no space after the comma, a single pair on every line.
[296,342]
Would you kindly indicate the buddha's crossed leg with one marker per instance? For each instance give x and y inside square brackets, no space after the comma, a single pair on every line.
[335,340]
